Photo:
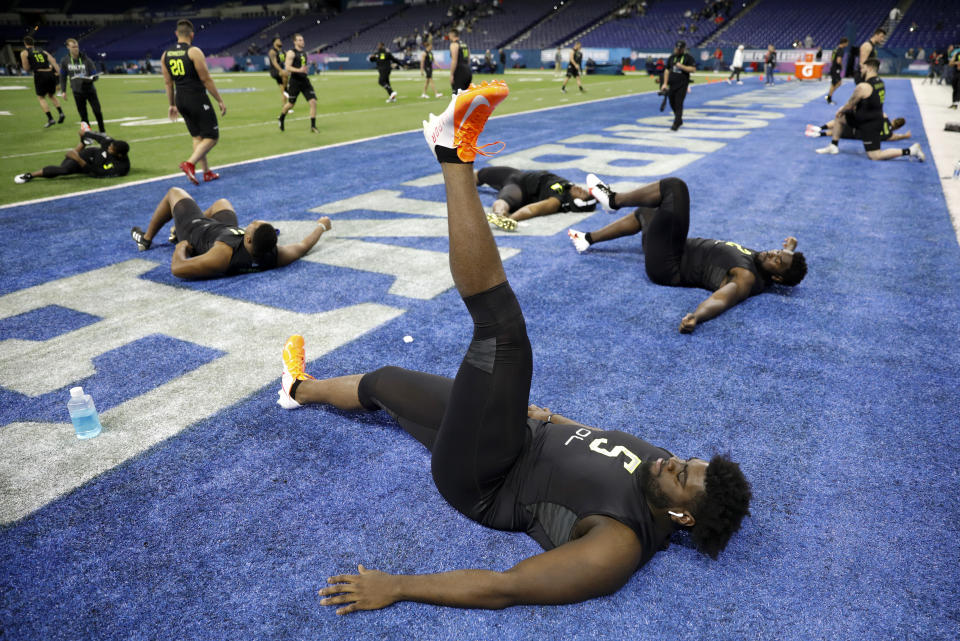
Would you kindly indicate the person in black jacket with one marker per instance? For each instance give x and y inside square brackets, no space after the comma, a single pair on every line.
[676,79]
[385,61]
[82,74]
[96,155]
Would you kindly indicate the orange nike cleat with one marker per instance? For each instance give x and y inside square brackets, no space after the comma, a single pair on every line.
[294,358]
[459,126]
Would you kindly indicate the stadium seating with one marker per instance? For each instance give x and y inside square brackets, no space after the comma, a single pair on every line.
[659,28]
[568,21]
[783,22]
[928,14]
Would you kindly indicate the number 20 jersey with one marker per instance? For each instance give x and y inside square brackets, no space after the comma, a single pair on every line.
[570,472]
[182,70]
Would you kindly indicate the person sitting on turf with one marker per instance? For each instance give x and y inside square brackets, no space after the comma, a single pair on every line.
[108,158]
[211,242]
[600,503]
[732,272]
[527,194]
[886,133]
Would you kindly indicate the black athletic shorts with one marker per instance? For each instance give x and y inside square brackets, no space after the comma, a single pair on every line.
[665,233]
[276,76]
[45,83]
[507,181]
[297,85]
[461,80]
[572,72]
[428,72]
[475,425]
[187,210]
[199,115]
[870,132]
[835,77]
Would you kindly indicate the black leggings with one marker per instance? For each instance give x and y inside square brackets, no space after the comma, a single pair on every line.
[956,86]
[475,425]
[384,81]
[68,166]
[81,99]
[506,180]
[665,232]
[736,72]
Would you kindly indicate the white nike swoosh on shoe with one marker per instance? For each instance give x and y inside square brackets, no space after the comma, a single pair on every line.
[478,101]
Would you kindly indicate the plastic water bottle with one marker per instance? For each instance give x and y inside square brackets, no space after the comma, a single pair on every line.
[83,413]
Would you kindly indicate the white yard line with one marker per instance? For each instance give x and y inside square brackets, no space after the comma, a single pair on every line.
[933,101]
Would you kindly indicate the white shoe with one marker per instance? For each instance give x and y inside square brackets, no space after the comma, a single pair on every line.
[831,149]
[439,95]
[739,82]
[22,178]
[599,190]
[423,95]
[812,131]
[579,240]
[917,152]
[729,82]
[393,97]
[283,394]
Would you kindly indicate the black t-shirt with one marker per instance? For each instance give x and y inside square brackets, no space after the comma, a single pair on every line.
[706,263]
[203,233]
[540,185]
[384,60]
[570,472]
[679,76]
[39,60]
[182,70]
[102,164]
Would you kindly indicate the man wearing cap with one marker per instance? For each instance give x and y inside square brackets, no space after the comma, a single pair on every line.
[676,79]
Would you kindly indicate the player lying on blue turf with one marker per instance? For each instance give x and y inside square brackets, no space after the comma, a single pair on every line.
[96,155]
[528,194]
[732,272]
[601,503]
[211,243]
[864,114]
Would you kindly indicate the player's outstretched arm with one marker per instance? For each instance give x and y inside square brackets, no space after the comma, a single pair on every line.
[600,562]
[286,254]
[543,207]
[544,414]
[719,301]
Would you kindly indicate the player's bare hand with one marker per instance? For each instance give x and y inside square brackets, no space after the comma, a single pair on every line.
[538,413]
[223,108]
[688,324]
[663,87]
[185,246]
[173,113]
[790,243]
[325,221]
[369,590]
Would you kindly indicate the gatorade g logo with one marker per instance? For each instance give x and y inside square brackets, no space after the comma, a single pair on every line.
[557,187]
[742,250]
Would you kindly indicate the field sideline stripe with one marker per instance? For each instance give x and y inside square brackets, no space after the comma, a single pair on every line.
[304,151]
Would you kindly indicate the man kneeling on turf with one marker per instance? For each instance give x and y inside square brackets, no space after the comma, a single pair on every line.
[600,503]
[732,272]
[107,158]
[528,194]
[211,242]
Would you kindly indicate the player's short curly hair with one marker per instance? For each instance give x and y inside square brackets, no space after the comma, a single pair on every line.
[264,240]
[721,508]
[897,123]
[798,269]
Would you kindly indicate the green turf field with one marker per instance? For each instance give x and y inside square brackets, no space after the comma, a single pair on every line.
[350,106]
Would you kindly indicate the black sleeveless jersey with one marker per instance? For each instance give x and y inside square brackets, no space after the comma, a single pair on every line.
[463,57]
[39,60]
[871,108]
[706,263]
[577,57]
[299,60]
[570,472]
[182,69]
[203,232]
[428,61]
[836,59]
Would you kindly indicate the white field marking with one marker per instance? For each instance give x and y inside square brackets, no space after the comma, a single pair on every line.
[932,101]
[289,153]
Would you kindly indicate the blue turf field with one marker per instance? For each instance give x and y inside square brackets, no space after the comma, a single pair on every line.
[839,397]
